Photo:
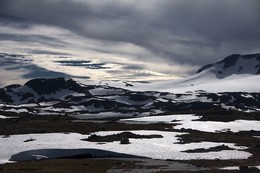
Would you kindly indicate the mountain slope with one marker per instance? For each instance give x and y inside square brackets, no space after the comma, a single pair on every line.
[234,64]
[235,73]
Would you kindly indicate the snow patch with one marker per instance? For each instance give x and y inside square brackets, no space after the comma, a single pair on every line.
[158,148]
[205,80]
[6,117]
[186,121]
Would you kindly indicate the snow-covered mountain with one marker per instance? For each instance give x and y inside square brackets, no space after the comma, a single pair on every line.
[235,73]
[234,64]
[235,88]
[65,96]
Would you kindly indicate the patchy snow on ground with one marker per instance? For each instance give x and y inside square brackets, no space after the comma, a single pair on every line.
[36,146]
[211,126]
[187,121]
[167,147]
[162,118]
[230,168]
[6,117]
[21,110]
[236,167]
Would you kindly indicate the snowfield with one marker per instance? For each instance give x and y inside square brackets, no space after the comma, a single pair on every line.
[6,117]
[236,167]
[187,121]
[53,145]
[211,126]
[205,80]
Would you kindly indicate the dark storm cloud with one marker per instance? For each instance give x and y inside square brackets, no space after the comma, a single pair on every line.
[47,52]
[133,67]
[184,31]
[83,63]
[12,62]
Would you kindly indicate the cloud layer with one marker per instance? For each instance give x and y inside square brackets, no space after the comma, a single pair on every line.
[181,33]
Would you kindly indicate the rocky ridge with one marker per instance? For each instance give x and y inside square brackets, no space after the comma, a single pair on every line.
[61,96]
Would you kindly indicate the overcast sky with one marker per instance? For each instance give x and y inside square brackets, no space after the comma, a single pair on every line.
[150,37]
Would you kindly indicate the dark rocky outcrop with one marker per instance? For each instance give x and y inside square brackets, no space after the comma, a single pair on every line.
[122,137]
[211,149]
[47,86]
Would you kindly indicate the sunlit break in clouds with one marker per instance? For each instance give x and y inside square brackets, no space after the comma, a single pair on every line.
[123,39]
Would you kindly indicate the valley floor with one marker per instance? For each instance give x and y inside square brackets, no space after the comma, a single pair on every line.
[171,146]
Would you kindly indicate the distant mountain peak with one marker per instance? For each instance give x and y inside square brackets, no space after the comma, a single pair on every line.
[234,64]
[49,85]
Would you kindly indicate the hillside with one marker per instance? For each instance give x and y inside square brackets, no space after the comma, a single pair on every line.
[234,64]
